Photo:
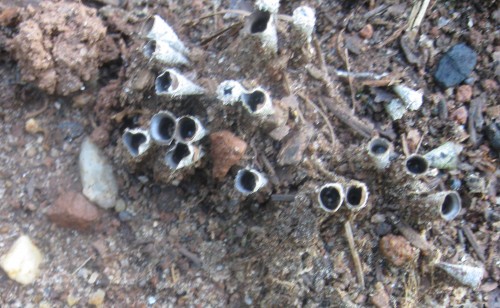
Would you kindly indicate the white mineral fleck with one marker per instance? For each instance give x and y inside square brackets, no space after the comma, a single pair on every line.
[22,261]
[99,183]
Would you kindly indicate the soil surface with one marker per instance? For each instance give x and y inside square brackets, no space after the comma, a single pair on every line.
[76,69]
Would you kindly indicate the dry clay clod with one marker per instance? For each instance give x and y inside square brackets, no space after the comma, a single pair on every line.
[249,181]
[171,83]
[156,28]
[226,150]
[137,141]
[162,127]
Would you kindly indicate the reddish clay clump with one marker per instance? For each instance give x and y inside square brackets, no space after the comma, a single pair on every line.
[226,151]
[396,249]
[73,210]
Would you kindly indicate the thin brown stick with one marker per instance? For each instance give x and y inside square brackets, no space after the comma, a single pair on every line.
[354,253]
[420,142]
[350,79]
[404,144]
[188,254]
[473,242]
[270,169]
[394,36]
[349,119]
[38,112]
[220,32]
[413,236]
[323,115]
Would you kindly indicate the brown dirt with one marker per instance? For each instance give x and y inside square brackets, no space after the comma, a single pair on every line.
[200,242]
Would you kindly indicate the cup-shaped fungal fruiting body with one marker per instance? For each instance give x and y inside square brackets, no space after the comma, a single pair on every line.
[182,155]
[257,102]
[467,275]
[162,127]
[230,91]
[380,150]
[157,29]
[260,29]
[270,6]
[249,181]
[137,141]
[416,165]
[162,52]
[331,196]
[356,195]
[445,205]
[445,156]
[411,99]
[189,129]
[303,22]
[173,84]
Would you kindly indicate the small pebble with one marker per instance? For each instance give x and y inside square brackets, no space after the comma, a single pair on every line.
[125,216]
[151,300]
[464,93]
[489,85]
[21,263]
[93,278]
[366,32]
[32,126]
[72,300]
[493,135]
[120,205]
[455,66]
[98,181]
[97,298]
[460,115]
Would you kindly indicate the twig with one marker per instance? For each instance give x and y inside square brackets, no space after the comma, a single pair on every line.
[325,78]
[274,179]
[282,198]
[354,253]
[38,112]
[323,115]
[387,82]
[404,144]
[473,242]
[350,120]
[238,12]
[351,88]
[375,11]
[220,32]
[420,142]
[81,266]
[321,58]
[417,14]
[188,254]
[371,75]
[394,36]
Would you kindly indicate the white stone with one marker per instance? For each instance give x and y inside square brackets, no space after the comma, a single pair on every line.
[99,183]
[22,261]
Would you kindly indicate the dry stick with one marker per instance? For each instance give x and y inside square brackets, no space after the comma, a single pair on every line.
[420,142]
[348,68]
[81,266]
[354,253]
[188,254]
[274,179]
[394,36]
[404,143]
[220,32]
[472,239]
[37,112]
[349,119]
[323,115]
[413,236]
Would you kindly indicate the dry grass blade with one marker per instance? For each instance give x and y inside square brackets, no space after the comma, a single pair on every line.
[354,253]
[323,115]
